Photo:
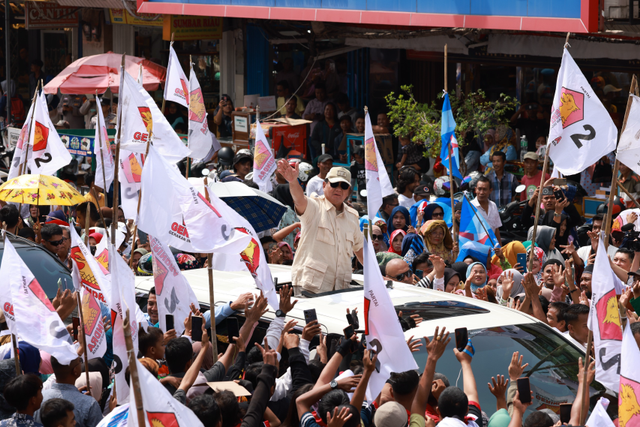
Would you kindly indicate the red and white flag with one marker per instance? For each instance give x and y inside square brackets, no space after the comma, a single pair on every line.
[28,311]
[105,164]
[173,211]
[123,298]
[251,258]
[378,184]
[200,138]
[604,320]
[173,290]
[89,274]
[130,177]
[93,326]
[18,154]
[160,407]
[382,327]
[142,119]
[176,84]
[629,395]
[264,164]
[47,152]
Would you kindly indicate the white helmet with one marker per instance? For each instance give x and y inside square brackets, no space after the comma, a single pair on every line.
[304,171]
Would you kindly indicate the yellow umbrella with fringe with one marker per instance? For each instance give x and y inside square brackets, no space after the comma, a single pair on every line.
[40,190]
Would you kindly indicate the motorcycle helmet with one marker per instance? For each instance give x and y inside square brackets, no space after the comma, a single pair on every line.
[304,171]
[618,206]
[242,155]
[441,186]
[225,156]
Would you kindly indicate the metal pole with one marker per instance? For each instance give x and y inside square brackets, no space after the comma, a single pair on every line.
[7,55]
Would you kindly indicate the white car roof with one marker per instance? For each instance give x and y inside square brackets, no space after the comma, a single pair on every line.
[331,309]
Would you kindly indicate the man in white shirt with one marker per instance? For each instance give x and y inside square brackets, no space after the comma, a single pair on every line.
[315,184]
[486,207]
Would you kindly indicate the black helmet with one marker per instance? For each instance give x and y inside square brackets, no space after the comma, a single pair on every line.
[225,156]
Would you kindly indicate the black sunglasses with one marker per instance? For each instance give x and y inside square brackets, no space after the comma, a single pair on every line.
[401,276]
[376,237]
[439,214]
[342,185]
[56,242]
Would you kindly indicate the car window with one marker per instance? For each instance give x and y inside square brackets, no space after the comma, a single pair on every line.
[433,310]
[552,370]
[46,269]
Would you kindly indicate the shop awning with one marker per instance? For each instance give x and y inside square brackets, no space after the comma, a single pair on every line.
[104,4]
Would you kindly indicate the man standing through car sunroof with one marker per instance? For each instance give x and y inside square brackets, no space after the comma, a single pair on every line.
[330,232]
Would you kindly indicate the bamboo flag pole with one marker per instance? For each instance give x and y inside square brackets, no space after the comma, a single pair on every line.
[453,216]
[16,356]
[212,302]
[614,177]
[23,167]
[585,387]
[116,182]
[624,190]
[100,144]
[133,369]
[87,224]
[84,339]
[545,165]
[188,165]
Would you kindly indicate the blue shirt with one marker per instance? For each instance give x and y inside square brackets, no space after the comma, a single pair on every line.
[86,408]
[20,420]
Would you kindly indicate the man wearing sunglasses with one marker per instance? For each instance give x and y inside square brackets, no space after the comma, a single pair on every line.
[399,271]
[330,232]
[52,237]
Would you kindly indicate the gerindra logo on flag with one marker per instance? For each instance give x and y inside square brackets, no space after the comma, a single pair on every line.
[571,107]
[162,419]
[629,407]
[197,112]
[609,317]
[370,159]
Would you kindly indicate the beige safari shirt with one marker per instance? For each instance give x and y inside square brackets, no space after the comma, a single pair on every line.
[327,243]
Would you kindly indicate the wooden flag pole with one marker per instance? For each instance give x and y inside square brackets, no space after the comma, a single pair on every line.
[116,183]
[87,224]
[538,200]
[616,165]
[585,387]
[212,302]
[135,229]
[133,369]
[16,356]
[188,164]
[84,340]
[23,167]
[104,175]
[163,100]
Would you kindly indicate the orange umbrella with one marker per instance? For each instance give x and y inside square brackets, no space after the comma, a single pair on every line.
[103,71]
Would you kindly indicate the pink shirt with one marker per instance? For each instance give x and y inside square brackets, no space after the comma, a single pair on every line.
[531,184]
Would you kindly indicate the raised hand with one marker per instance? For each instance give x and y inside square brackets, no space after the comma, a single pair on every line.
[414,345]
[339,418]
[498,387]
[516,368]
[286,292]
[288,172]
[507,284]
[435,348]
[558,275]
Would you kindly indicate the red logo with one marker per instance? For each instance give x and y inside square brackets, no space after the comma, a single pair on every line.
[86,275]
[609,317]
[35,287]
[162,419]
[185,90]
[179,229]
[90,313]
[571,107]
[251,255]
[41,136]
[147,118]
[8,308]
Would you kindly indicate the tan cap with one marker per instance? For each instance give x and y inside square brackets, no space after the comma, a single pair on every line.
[531,155]
[339,174]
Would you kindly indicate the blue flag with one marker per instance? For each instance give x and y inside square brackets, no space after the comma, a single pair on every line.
[474,229]
[448,136]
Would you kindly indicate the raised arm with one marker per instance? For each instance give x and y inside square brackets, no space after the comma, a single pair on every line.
[331,368]
[435,350]
[291,175]
[465,357]
[578,402]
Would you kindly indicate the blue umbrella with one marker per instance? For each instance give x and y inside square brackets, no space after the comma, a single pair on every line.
[261,210]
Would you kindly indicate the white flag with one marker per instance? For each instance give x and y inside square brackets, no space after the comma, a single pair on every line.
[599,416]
[93,327]
[18,153]
[251,258]
[28,311]
[91,275]
[174,212]
[160,407]
[47,152]
[130,177]
[173,290]
[604,320]
[200,138]
[264,164]
[116,418]
[175,85]
[581,130]
[123,298]
[629,147]
[105,165]
[382,327]
[142,119]
[378,184]
[629,395]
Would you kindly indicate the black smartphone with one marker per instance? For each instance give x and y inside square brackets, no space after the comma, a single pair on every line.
[310,315]
[233,329]
[559,195]
[168,320]
[565,412]
[348,332]
[419,274]
[462,337]
[522,260]
[196,328]
[76,325]
[524,389]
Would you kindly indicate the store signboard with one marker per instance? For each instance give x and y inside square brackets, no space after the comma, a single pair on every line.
[122,16]
[45,15]
[191,27]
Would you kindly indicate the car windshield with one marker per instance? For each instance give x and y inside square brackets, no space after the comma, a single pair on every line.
[552,370]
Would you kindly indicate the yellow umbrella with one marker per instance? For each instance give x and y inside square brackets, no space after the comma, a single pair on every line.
[39,190]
